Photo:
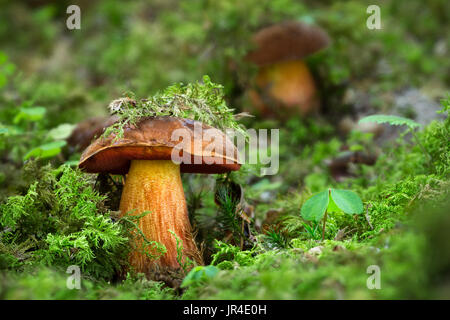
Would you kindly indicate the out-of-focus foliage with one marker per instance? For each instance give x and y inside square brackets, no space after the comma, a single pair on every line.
[47,284]
[392,120]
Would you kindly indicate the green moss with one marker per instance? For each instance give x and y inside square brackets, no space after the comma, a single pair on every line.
[198,101]
[50,284]
[333,274]
[63,222]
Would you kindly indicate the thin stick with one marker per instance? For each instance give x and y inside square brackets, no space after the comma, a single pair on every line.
[368,217]
[425,151]
[324,222]
[242,235]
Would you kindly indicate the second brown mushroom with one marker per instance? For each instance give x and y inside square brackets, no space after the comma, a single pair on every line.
[283,79]
[153,181]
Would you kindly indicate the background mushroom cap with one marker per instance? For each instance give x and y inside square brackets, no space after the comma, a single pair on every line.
[151,139]
[287,41]
[87,130]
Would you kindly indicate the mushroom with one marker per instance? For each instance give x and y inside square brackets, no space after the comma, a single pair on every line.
[283,79]
[153,182]
[87,130]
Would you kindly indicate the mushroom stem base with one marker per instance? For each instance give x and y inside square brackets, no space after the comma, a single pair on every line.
[155,186]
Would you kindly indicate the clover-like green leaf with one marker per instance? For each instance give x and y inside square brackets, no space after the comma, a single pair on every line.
[332,206]
[347,201]
[314,208]
[199,274]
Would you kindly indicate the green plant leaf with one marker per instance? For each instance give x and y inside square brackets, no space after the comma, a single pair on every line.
[314,208]
[71,163]
[47,150]
[332,206]
[347,201]
[61,132]
[199,274]
[390,119]
[30,114]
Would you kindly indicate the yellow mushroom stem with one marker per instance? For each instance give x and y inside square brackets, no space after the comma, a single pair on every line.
[155,186]
[290,83]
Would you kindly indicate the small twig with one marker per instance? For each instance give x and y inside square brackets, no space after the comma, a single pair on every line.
[340,234]
[368,217]
[324,222]
[424,150]
[242,235]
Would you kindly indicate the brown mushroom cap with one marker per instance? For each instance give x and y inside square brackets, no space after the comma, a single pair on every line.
[287,41]
[151,139]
